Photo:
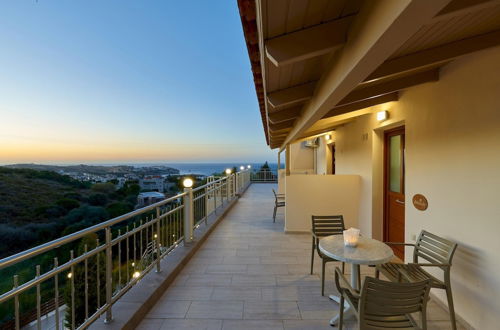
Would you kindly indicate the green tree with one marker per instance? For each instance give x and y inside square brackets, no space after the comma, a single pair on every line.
[78,278]
[98,199]
[105,188]
[68,204]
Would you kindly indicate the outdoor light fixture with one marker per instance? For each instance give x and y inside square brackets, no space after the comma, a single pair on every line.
[242,168]
[70,275]
[187,183]
[249,166]
[228,171]
[328,137]
[382,115]
[136,274]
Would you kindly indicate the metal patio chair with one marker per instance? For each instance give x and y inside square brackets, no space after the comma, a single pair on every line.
[325,225]
[438,252]
[383,304]
[279,201]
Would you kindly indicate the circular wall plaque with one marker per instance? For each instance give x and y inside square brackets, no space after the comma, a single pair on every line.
[420,202]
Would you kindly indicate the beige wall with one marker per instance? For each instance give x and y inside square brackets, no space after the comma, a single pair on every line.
[453,158]
[308,195]
[301,159]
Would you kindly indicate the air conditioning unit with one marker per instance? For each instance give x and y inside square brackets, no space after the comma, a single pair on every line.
[314,143]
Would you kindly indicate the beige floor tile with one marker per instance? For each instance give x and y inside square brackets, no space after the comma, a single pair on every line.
[253,280]
[226,269]
[190,324]
[170,309]
[237,293]
[252,325]
[219,310]
[271,310]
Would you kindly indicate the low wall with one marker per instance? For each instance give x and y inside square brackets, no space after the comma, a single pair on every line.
[308,195]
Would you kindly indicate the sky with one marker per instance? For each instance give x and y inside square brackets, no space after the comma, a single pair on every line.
[121,81]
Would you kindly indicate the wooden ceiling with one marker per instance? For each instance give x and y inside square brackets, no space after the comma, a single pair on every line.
[293,43]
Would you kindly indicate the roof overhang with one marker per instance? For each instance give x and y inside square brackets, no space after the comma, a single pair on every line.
[314,60]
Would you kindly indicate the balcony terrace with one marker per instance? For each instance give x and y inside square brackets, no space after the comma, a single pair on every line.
[249,274]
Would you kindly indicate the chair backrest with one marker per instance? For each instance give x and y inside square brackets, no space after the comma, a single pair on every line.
[275,196]
[434,249]
[326,225]
[380,301]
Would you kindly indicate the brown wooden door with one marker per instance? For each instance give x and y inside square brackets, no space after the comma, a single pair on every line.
[394,191]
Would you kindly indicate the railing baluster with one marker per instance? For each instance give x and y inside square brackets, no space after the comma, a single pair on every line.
[158,245]
[56,293]
[119,259]
[109,274]
[16,302]
[72,288]
[98,274]
[128,255]
[86,275]
[38,301]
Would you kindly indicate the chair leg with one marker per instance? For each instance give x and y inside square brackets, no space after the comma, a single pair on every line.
[449,296]
[359,277]
[343,267]
[274,213]
[312,256]
[341,312]
[323,277]
[377,273]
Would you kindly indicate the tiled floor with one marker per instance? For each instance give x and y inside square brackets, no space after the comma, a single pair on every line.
[249,274]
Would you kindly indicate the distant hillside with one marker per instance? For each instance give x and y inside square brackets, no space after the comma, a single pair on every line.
[24,193]
[98,170]
[38,206]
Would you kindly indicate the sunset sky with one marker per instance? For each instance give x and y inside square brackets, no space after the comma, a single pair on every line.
[126,81]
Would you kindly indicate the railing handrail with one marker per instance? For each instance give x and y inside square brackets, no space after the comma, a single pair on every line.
[18,257]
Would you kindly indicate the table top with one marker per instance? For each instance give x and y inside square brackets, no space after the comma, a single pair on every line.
[368,251]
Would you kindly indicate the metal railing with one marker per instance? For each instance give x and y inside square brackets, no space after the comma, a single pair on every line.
[94,267]
[264,176]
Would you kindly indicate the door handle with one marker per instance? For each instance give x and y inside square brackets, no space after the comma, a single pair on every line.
[400,201]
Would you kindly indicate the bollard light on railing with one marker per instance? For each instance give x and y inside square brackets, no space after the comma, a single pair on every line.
[136,274]
[249,166]
[70,275]
[242,168]
[187,183]
[228,171]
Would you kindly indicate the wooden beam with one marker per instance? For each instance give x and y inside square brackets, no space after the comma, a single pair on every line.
[462,7]
[282,125]
[391,86]
[380,28]
[307,43]
[436,55]
[342,109]
[287,160]
[284,115]
[291,96]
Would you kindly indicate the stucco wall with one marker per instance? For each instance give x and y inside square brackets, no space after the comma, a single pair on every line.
[308,195]
[453,158]
[301,158]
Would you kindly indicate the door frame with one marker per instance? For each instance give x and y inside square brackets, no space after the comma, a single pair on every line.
[391,132]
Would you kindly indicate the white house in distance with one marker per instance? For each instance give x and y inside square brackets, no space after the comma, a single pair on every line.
[152,183]
[400,102]
[148,198]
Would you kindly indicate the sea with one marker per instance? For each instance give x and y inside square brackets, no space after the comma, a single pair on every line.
[210,168]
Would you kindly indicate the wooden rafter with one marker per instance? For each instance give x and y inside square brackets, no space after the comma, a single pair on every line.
[284,115]
[436,55]
[291,96]
[366,103]
[307,43]
[390,86]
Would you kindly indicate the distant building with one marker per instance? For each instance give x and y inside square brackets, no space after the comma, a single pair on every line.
[152,183]
[148,198]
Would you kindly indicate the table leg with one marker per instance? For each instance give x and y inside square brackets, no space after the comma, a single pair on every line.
[347,308]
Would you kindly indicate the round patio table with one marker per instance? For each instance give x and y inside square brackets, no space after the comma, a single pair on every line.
[368,252]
